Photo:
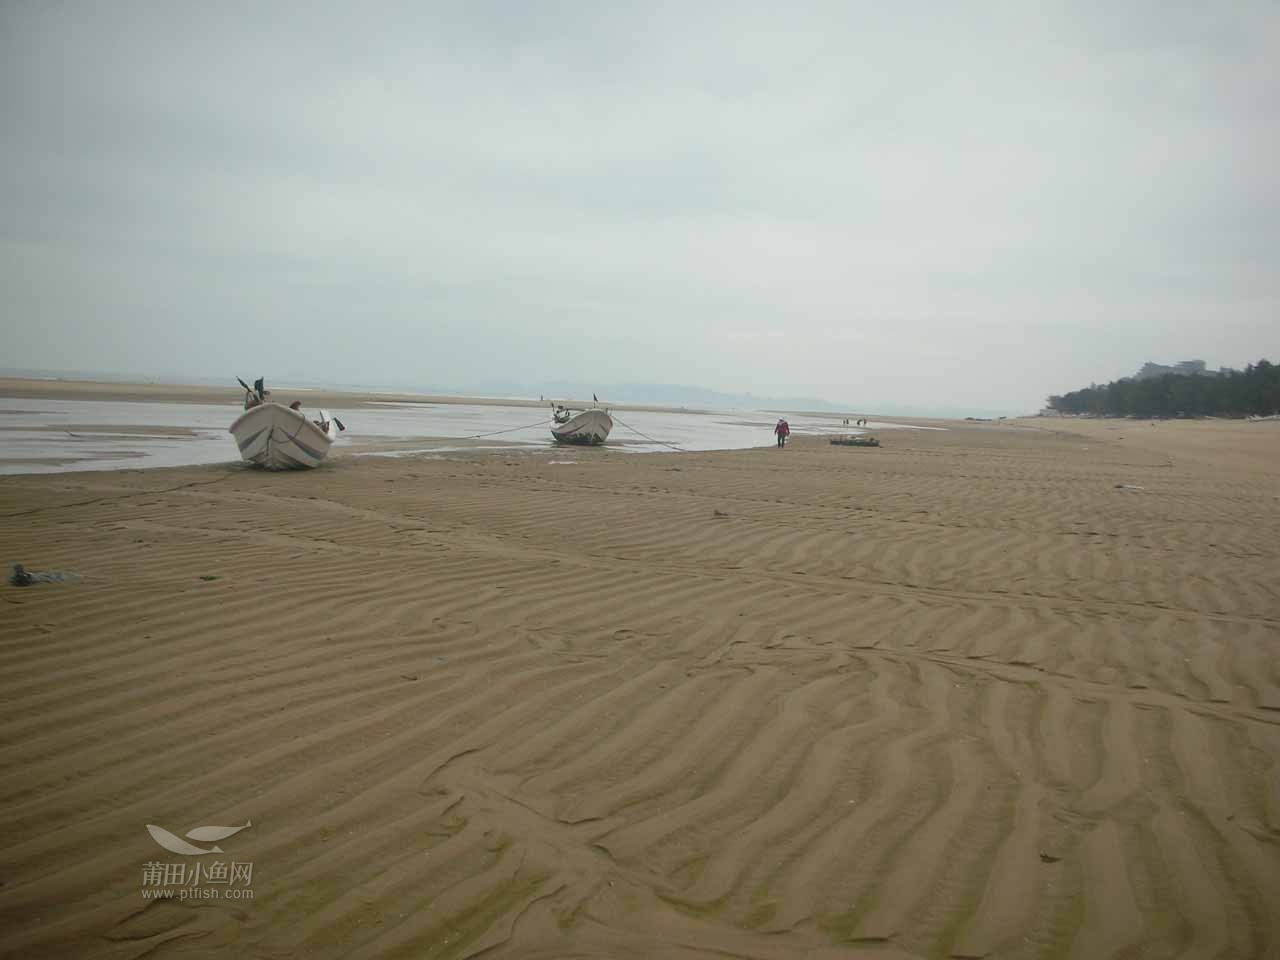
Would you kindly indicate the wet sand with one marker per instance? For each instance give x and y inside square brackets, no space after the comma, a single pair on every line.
[967,694]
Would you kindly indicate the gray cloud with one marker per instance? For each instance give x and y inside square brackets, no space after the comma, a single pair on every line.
[970,208]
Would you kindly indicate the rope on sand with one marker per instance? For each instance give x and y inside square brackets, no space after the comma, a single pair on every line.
[646,436]
[527,426]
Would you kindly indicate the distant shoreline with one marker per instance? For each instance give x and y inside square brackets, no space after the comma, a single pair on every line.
[70,388]
[30,388]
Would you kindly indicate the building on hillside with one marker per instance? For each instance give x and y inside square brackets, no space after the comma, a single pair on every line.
[1183,368]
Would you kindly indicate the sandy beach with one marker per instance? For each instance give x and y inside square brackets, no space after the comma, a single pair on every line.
[1007,690]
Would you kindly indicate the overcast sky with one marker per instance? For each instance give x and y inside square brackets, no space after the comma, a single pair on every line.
[861,202]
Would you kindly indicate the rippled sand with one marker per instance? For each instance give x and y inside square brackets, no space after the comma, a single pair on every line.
[961,695]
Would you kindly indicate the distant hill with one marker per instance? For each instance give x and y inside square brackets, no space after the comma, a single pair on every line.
[679,395]
[683,395]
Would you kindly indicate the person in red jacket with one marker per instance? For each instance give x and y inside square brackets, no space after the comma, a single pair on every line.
[783,430]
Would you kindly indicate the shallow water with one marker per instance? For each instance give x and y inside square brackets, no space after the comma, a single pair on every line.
[55,436]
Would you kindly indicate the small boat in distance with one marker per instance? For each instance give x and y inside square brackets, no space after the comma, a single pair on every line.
[278,437]
[590,426]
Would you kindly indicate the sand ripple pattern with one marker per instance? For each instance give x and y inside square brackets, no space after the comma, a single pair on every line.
[957,697]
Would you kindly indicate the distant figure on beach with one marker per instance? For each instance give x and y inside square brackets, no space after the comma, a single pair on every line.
[782,430]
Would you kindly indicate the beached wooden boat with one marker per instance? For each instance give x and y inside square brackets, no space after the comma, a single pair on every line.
[588,427]
[279,437]
[859,441]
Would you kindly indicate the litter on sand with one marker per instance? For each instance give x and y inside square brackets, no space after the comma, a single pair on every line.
[1128,486]
[22,577]
[856,441]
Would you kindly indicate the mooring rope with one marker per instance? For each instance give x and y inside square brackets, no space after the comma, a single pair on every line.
[478,436]
[646,436]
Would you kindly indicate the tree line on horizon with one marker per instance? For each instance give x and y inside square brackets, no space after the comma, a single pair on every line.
[1253,391]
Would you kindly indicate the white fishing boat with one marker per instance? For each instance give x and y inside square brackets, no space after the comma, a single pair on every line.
[586,427]
[279,437]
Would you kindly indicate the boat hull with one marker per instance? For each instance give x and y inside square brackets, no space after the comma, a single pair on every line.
[591,427]
[277,438]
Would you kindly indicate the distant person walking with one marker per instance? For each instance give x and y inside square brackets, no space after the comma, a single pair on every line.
[782,430]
